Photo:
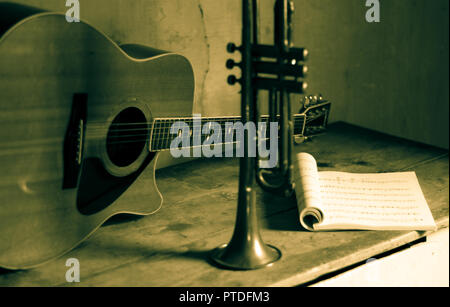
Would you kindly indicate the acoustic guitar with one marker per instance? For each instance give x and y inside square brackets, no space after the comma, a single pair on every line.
[82,121]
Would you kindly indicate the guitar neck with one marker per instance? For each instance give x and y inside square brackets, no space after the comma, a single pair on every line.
[161,136]
[312,121]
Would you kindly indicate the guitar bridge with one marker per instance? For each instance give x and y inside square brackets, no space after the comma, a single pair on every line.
[74,141]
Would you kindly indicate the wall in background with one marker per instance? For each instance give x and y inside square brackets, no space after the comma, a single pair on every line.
[390,76]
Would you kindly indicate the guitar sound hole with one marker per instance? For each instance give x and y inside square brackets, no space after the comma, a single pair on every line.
[127,137]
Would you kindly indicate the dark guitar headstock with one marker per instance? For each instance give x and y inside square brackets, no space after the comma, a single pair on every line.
[316,110]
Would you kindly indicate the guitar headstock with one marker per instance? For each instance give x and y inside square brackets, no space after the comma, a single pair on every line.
[316,111]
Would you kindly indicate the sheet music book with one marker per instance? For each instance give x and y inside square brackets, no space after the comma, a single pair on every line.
[347,201]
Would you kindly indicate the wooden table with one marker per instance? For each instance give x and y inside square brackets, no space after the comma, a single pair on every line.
[171,247]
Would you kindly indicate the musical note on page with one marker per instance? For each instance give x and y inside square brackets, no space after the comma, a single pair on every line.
[338,200]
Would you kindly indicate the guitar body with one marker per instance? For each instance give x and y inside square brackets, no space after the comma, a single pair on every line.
[60,79]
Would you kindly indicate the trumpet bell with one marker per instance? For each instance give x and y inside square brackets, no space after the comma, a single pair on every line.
[246,250]
[246,255]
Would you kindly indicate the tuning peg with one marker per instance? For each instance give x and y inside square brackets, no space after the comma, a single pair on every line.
[306,102]
[320,97]
[305,70]
[232,80]
[291,7]
[305,54]
[231,48]
[315,99]
[232,64]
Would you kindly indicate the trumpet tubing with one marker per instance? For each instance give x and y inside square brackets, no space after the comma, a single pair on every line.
[278,69]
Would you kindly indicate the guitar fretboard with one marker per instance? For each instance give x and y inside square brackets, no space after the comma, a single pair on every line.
[161,136]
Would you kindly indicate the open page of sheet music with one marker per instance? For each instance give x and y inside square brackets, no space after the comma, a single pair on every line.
[337,200]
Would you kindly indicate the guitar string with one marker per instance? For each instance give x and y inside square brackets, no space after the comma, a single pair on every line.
[166,127]
[163,125]
[159,139]
[187,119]
[161,142]
[166,130]
[171,121]
[190,119]
[162,145]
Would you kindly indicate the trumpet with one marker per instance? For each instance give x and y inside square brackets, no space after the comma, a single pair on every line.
[279,70]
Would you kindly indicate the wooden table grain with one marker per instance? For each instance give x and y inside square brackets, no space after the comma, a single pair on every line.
[171,247]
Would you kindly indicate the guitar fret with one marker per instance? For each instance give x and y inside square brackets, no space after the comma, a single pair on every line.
[158,138]
[166,134]
[161,141]
[155,135]
[167,143]
[170,137]
[152,134]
